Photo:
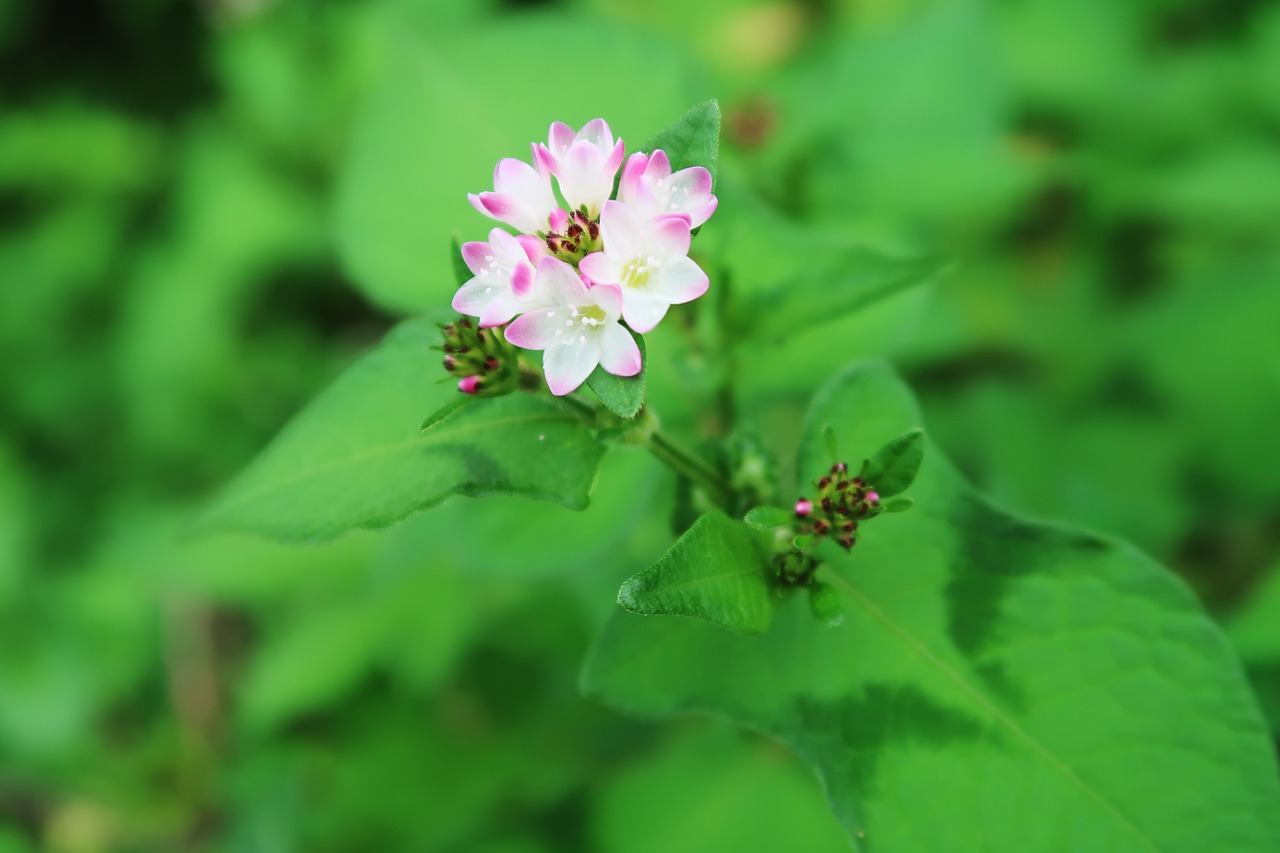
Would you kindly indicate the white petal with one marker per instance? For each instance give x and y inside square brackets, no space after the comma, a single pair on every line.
[618,351]
[568,365]
[643,310]
[678,282]
[622,229]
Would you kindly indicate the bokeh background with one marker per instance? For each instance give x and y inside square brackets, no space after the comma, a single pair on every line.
[207,209]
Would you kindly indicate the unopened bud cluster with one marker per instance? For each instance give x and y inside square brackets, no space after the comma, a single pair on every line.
[573,236]
[483,361]
[840,503]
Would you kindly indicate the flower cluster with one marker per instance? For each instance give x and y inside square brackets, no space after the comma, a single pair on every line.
[585,262]
[842,502]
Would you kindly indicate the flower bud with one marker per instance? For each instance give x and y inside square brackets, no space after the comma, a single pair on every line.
[803,507]
[469,384]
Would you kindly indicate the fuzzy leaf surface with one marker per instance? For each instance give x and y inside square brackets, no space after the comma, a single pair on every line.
[716,571]
[694,140]
[355,457]
[996,683]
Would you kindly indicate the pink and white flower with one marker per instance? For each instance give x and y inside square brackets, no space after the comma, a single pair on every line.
[648,258]
[521,197]
[584,163]
[504,270]
[578,329]
[648,185]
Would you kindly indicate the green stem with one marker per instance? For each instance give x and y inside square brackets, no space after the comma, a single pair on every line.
[686,465]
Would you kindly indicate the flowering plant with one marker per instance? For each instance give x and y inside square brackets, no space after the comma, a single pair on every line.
[974,636]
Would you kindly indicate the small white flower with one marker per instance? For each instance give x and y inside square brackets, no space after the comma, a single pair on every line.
[578,329]
[504,272]
[648,259]
[648,185]
[584,163]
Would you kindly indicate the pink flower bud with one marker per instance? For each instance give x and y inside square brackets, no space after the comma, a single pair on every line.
[803,507]
[469,385]
[873,498]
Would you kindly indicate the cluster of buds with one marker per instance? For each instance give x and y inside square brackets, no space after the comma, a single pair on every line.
[842,501]
[484,362]
[573,237]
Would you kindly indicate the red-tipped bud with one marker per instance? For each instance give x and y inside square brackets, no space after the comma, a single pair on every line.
[803,507]
[848,526]
[842,485]
[450,363]
[846,542]
[826,504]
[839,468]
[469,384]
[824,482]
[491,364]
[821,527]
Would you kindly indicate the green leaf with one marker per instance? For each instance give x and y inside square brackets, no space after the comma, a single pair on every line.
[694,140]
[445,412]
[622,395]
[862,278]
[825,604]
[1024,680]
[716,571]
[354,457]
[893,467]
[461,272]
[768,518]
[898,505]
[833,446]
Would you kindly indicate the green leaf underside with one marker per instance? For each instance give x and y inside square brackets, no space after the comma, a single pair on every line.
[622,395]
[354,458]
[893,467]
[862,278]
[995,684]
[715,571]
[769,517]
[694,140]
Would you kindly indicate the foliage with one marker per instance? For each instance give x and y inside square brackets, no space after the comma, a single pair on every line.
[220,229]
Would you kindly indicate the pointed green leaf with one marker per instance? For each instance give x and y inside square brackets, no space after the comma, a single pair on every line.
[861,278]
[694,140]
[769,518]
[445,412]
[355,457]
[622,395]
[893,467]
[716,571]
[898,505]
[461,272]
[833,446]
[1030,686]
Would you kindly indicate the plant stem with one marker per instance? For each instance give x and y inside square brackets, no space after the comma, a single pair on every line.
[686,465]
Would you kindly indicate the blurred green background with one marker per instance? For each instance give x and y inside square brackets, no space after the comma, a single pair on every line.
[208,208]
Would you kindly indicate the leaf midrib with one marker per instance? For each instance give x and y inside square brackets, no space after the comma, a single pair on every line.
[1000,717]
[384,450]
